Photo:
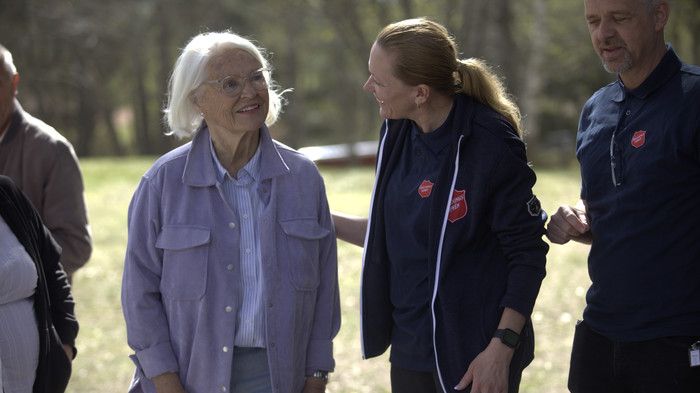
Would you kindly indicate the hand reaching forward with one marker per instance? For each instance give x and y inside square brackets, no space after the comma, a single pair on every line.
[569,223]
[488,372]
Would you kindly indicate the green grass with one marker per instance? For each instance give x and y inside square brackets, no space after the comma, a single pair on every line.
[102,364]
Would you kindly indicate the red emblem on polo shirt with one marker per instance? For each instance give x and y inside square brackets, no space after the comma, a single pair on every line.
[638,139]
[425,188]
[458,206]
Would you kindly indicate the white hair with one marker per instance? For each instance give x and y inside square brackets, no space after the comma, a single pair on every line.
[181,113]
[7,61]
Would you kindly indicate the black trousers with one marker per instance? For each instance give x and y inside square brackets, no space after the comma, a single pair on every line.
[599,365]
[409,381]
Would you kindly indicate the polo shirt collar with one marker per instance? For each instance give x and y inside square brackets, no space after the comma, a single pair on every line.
[669,65]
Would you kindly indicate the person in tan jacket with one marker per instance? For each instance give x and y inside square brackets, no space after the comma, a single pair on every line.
[44,166]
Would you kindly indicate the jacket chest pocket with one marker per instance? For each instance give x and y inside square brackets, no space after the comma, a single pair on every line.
[301,240]
[185,253]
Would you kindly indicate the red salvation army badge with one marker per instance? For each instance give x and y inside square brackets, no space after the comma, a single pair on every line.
[638,139]
[425,188]
[458,206]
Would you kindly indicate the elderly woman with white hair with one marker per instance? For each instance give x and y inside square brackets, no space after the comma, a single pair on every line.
[230,277]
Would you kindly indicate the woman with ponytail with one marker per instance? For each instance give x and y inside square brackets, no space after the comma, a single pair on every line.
[454,255]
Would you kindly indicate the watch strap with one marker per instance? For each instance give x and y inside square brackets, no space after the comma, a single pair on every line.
[508,337]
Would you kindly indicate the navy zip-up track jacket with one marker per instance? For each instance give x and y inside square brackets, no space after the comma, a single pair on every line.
[487,259]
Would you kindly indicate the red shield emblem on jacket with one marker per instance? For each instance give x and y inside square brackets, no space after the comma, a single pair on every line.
[425,188]
[458,206]
[638,139]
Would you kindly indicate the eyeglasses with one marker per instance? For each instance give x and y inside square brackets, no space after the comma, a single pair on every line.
[616,162]
[233,87]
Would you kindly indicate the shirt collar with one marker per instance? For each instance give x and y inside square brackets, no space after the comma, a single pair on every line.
[669,65]
[201,171]
[251,168]
[16,119]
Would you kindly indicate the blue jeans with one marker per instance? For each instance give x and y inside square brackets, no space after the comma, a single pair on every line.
[599,365]
[250,372]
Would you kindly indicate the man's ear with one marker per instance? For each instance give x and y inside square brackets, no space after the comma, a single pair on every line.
[661,15]
[14,82]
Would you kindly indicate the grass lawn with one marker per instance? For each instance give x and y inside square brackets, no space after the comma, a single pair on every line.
[103,366]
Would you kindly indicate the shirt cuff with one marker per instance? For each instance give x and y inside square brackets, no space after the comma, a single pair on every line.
[319,356]
[157,360]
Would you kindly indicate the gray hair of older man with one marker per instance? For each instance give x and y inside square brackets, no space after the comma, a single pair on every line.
[181,113]
[7,62]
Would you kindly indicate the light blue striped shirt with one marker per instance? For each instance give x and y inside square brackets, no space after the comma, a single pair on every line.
[241,195]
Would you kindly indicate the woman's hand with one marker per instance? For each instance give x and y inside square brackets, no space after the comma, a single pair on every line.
[488,372]
[168,383]
[314,385]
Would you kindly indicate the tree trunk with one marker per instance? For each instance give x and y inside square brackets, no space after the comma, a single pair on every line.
[407,8]
[474,19]
[503,52]
[293,24]
[107,112]
[141,120]
[534,77]
[165,62]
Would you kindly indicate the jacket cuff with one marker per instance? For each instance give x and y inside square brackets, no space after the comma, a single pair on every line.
[319,356]
[157,359]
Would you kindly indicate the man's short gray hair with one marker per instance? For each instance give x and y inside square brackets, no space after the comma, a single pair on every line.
[181,113]
[651,4]
[7,62]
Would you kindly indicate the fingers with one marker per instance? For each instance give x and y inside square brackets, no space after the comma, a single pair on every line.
[466,379]
[566,224]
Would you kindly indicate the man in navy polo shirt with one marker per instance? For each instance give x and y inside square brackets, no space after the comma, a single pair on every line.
[638,145]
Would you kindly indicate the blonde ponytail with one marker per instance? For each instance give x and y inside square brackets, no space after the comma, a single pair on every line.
[480,82]
[425,53]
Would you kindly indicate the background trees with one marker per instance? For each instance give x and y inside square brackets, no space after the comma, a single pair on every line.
[98,70]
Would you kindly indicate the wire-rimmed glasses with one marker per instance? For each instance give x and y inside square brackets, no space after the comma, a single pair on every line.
[233,86]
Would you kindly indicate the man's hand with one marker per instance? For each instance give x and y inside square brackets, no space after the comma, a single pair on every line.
[314,385]
[569,223]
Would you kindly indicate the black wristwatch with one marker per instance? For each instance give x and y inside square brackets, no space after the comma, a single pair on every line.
[508,337]
[322,375]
